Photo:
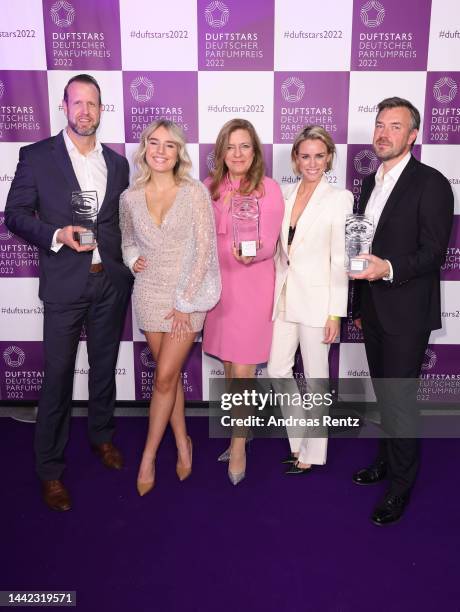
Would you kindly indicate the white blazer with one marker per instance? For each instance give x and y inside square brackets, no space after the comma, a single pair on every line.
[314,271]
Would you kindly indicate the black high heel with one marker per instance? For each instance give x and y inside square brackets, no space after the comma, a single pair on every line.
[290,459]
[295,469]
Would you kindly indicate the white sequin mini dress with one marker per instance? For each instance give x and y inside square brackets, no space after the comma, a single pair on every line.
[182,267]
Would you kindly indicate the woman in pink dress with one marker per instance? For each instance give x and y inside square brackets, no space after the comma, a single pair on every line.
[238,330]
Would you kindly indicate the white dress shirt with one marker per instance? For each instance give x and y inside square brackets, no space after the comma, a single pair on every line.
[91,173]
[384,184]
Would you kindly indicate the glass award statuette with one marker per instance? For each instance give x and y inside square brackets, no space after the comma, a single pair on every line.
[85,207]
[359,231]
[245,219]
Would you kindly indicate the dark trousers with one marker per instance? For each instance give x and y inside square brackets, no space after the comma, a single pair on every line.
[398,358]
[101,309]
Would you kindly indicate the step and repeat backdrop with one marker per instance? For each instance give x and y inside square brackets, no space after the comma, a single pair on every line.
[281,64]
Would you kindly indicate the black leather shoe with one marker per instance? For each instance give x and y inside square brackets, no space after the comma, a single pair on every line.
[290,459]
[371,475]
[295,469]
[390,509]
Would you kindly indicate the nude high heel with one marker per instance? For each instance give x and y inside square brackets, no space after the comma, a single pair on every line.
[145,486]
[181,471]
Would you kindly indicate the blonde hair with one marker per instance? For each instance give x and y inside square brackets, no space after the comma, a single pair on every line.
[253,179]
[312,132]
[142,171]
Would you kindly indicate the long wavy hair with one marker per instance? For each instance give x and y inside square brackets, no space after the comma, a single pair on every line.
[142,171]
[253,179]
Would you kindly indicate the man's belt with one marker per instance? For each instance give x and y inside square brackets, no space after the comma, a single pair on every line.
[95,268]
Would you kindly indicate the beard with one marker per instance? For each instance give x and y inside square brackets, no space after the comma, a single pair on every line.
[88,131]
[390,153]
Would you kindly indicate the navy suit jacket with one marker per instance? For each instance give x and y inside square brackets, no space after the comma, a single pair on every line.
[39,202]
[413,234]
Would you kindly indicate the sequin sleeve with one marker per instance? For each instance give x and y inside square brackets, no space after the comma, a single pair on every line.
[129,246]
[199,285]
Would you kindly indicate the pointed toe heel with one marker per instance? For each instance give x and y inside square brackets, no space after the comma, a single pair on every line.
[289,460]
[144,487]
[225,456]
[236,478]
[181,471]
[297,470]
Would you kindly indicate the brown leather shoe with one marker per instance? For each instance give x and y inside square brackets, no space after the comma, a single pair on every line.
[109,455]
[55,495]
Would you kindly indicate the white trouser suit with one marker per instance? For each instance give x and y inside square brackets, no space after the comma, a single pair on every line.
[311,284]
[286,338]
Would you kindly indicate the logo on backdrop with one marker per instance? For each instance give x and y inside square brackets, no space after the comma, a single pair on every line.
[18,381]
[372,14]
[439,376]
[18,258]
[429,360]
[142,89]
[82,35]
[384,37]
[14,356]
[361,162]
[366,162]
[441,123]
[211,161]
[24,110]
[445,89]
[153,96]
[62,13]
[217,14]
[310,98]
[5,234]
[244,42]
[293,89]
[147,359]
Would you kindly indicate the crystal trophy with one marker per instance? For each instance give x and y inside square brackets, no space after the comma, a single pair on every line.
[359,231]
[85,207]
[245,218]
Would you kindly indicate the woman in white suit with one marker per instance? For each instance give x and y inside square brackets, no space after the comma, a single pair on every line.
[311,282]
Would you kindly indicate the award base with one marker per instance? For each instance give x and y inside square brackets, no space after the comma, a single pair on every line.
[248,248]
[358,265]
[85,238]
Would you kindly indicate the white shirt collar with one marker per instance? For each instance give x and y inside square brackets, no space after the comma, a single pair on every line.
[71,147]
[394,173]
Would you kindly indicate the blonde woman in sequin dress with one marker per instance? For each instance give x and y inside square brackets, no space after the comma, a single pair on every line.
[169,243]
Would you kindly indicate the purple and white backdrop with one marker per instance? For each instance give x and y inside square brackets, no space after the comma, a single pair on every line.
[279,63]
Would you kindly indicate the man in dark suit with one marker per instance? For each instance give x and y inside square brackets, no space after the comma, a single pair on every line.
[79,284]
[397,298]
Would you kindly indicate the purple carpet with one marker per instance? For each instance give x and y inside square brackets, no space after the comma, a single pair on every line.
[273,543]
